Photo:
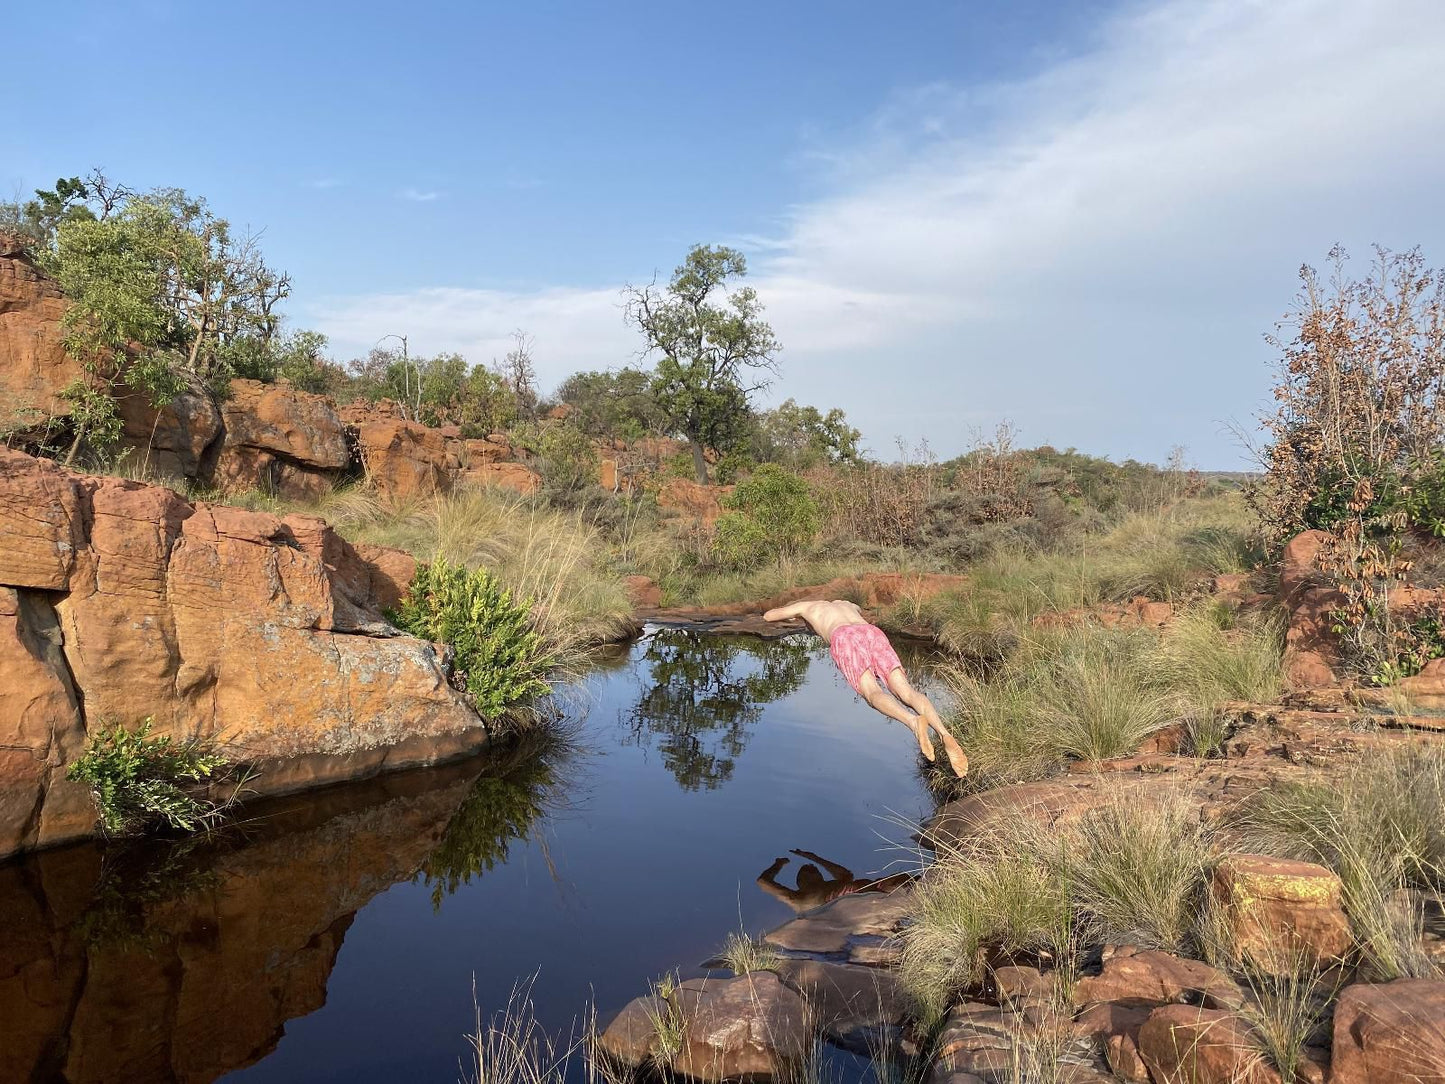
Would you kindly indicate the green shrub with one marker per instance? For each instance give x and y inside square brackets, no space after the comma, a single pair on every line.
[136,781]
[771,516]
[498,655]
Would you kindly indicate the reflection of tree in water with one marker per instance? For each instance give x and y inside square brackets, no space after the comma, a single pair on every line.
[697,704]
[502,808]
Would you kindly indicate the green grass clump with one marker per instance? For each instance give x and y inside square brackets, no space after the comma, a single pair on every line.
[742,954]
[1382,829]
[1003,895]
[1132,873]
[497,653]
[138,782]
[1138,875]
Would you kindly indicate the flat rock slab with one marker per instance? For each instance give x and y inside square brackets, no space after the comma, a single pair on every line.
[1151,976]
[832,928]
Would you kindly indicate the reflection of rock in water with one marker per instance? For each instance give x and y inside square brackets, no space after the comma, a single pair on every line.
[183,964]
[699,698]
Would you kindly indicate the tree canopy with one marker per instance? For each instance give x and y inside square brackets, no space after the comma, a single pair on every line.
[715,347]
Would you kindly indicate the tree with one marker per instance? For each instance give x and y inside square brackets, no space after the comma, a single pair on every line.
[519,374]
[714,354]
[613,404]
[163,297]
[800,437]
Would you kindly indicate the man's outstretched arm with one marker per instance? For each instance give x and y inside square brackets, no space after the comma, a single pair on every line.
[783,613]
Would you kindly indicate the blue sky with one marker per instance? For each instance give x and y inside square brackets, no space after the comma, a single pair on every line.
[1081,217]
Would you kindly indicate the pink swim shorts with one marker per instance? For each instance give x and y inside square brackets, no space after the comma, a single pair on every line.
[860,648]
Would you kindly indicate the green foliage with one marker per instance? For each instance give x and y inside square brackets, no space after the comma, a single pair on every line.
[771,515]
[707,348]
[566,457]
[613,404]
[93,413]
[136,780]
[294,357]
[802,437]
[497,654]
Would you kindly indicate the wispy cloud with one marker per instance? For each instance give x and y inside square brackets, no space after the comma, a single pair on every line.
[419,195]
[325,183]
[1093,251]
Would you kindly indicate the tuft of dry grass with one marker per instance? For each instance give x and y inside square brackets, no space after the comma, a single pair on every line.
[742,954]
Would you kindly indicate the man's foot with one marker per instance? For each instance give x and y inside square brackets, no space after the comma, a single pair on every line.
[925,743]
[956,758]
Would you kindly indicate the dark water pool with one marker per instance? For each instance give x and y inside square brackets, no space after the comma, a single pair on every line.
[339,935]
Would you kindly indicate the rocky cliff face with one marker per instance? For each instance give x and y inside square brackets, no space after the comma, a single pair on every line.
[121,601]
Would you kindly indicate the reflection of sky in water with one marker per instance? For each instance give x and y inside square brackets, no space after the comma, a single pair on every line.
[698,762]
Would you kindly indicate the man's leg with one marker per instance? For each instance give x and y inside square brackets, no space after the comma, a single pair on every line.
[880,700]
[901,687]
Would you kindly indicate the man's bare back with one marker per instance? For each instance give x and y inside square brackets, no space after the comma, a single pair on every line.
[868,661]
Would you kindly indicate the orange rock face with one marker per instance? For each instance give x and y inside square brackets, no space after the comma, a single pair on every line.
[34,366]
[689,498]
[1310,648]
[513,476]
[1205,1046]
[404,459]
[261,634]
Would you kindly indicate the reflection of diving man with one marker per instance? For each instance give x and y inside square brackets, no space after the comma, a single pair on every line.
[814,889]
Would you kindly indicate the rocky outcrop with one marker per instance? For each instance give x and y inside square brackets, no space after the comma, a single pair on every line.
[691,500]
[750,1027]
[280,440]
[123,601]
[1311,650]
[174,440]
[34,365]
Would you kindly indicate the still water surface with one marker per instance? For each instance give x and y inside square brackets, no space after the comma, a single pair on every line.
[338,935]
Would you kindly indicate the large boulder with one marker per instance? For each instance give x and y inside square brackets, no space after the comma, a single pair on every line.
[691,500]
[1281,912]
[280,440]
[1311,649]
[173,439]
[1391,1033]
[1152,976]
[750,1027]
[1202,1046]
[404,460]
[293,424]
[34,364]
[260,634]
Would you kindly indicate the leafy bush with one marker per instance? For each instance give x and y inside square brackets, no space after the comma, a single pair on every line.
[498,655]
[770,516]
[135,781]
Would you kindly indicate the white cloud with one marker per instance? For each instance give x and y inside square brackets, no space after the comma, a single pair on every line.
[1093,252]
[419,195]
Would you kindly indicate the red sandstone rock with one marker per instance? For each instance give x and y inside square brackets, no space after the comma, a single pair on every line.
[1281,911]
[1153,976]
[218,623]
[1202,1046]
[34,364]
[513,476]
[688,498]
[1311,649]
[171,440]
[1115,1028]
[404,460]
[643,591]
[1392,1033]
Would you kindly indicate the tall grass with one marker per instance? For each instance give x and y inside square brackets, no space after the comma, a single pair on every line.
[1164,555]
[1126,872]
[512,1047]
[1084,692]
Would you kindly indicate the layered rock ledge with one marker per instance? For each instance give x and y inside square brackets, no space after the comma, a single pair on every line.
[121,601]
